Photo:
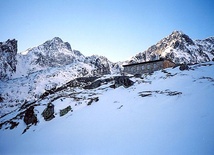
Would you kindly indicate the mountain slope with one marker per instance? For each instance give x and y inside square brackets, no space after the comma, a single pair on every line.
[180,48]
[52,53]
[166,111]
[55,53]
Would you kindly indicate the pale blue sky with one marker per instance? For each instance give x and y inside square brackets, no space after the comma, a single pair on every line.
[117,29]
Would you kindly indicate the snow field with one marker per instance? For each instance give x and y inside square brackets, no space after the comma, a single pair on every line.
[123,122]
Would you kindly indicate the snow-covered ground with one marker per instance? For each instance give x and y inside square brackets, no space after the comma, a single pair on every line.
[169,112]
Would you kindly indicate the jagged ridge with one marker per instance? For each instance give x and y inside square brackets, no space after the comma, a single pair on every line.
[56,53]
[8,51]
[180,48]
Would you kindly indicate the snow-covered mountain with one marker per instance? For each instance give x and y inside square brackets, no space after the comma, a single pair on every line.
[46,67]
[56,53]
[180,48]
[8,52]
[83,105]
[52,53]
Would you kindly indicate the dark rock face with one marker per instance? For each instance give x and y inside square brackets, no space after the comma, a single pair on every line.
[1,98]
[97,83]
[184,67]
[101,63]
[123,81]
[96,99]
[166,92]
[30,117]
[94,85]
[65,111]
[13,124]
[187,39]
[118,81]
[8,52]
[213,59]
[48,113]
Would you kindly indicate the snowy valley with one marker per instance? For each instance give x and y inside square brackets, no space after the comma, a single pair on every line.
[58,101]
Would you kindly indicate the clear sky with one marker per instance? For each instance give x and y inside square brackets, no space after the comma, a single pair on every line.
[117,29]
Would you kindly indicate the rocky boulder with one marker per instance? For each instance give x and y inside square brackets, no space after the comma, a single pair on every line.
[65,111]
[30,117]
[184,67]
[96,99]
[48,113]
[122,81]
[94,85]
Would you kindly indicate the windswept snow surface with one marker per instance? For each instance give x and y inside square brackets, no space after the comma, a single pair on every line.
[169,112]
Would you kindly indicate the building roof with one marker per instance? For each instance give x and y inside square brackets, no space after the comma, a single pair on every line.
[143,63]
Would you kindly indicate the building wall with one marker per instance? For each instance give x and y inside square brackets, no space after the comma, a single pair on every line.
[148,67]
[168,64]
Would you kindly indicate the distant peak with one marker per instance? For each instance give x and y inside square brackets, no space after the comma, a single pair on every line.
[209,39]
[181,36]
[176,32]
[57,39]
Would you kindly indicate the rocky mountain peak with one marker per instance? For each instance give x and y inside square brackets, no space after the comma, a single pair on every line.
[177,32]
[209,40]
[57,53]
[176,39]
[52,53]
[56,44]
[179,36]
[180,48]
[57,39]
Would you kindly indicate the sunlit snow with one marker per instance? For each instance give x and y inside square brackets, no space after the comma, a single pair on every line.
[176,118]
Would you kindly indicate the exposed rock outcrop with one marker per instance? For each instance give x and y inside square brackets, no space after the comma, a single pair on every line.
[96,99]
[184,67]
[48,113]
[94,84]
[118,81]
[122,81]
[1,98]
[65,111]
[30,117]
[101,63]
[8,52]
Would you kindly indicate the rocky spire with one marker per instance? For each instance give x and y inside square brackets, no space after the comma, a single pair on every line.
[8,52]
